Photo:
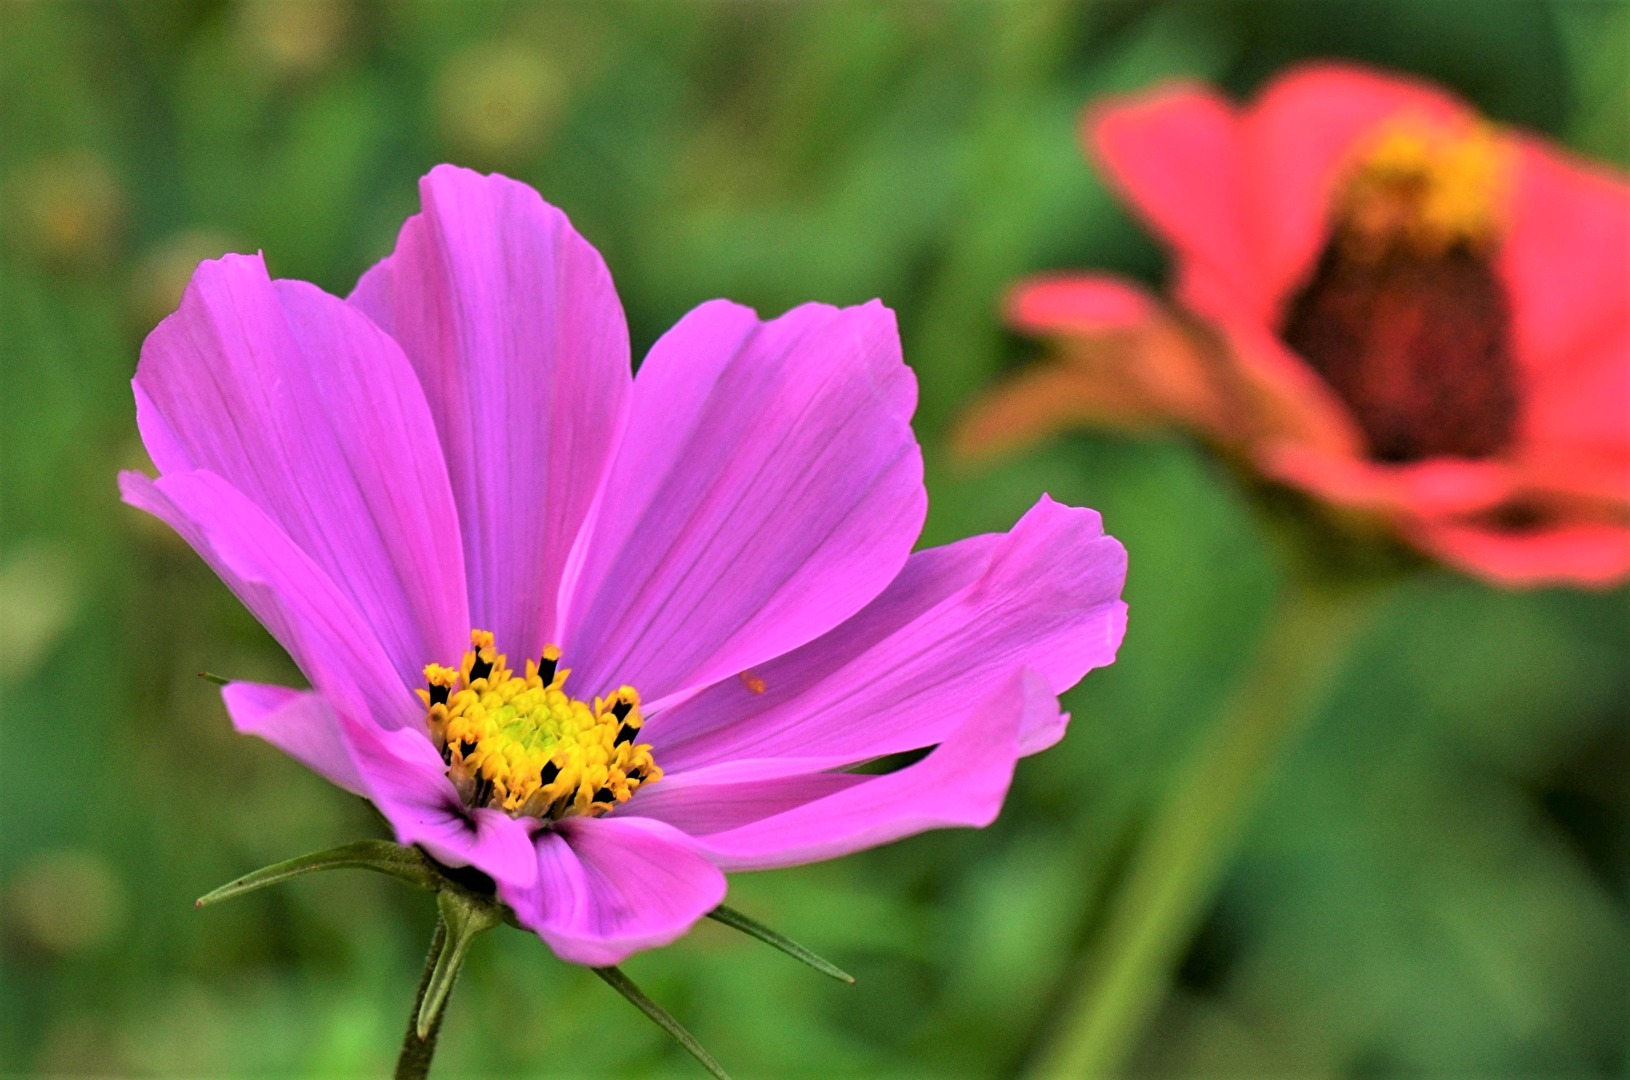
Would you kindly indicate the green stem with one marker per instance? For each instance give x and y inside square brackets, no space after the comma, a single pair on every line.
[1176,867]
[413,1063]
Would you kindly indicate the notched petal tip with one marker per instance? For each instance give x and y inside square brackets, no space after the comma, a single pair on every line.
[134,489]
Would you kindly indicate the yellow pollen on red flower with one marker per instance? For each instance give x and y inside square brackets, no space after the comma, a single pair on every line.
[1405,314]
[1425,187]
[520,743]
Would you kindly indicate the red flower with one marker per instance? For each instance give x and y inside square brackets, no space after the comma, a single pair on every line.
[1379,298]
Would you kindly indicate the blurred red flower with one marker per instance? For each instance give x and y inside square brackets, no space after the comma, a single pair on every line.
[1379,298]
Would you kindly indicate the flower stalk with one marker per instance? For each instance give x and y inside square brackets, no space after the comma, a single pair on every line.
[1186,848]
[464,917]
[464,910]
[418,1049]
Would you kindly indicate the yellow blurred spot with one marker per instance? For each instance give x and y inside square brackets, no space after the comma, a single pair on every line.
[496,102]
[39,590]
[295,37]
[1427,187]
[66,901]
[69,210]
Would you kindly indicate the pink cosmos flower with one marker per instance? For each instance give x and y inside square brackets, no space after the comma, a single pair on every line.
[1379,298]
[602,637]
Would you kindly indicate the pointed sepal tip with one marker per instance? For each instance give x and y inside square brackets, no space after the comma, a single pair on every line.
[661,1017]
[753,928]
[380,856]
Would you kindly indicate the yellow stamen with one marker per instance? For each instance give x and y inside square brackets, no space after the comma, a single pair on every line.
[522,744]
[1428,187]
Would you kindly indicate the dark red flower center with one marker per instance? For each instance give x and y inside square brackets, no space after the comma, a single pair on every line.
[1404,315]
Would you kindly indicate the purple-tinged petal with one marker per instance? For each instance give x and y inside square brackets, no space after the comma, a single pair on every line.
[609,887]
[767,488]
[511,321]
[962,782]
[902,673]
[406,779]
[299,723]
[717,798]
[313,413]
[290,594]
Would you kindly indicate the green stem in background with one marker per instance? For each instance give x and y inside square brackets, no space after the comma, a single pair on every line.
[1187,845]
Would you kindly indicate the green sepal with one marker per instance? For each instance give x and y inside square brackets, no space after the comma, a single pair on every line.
[661,1017]
[753,928]
[381,856]
[465,916]
[211,677]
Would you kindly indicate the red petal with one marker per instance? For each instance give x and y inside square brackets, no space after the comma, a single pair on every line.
[1593,554]
[1175,155]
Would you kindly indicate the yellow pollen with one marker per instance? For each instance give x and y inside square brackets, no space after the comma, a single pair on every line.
[520,743]
[1426,187]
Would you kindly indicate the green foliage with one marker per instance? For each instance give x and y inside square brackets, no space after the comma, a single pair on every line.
[1436,885]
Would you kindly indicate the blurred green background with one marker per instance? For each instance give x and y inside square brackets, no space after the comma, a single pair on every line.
[1436,886]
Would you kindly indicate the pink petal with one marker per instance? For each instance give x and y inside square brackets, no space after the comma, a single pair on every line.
[1433,488]
[1071,304]
[1577,404]
[314,415]
[1564,262]
[511,321]
[961,783]
[290,594]
[1590,554]
[609,887]
[1175,154]
[365,732]
[405,778]
[715,798]
[1595,477]
[1299,135]
[769,486]
[1126,360]
[905,671]
[1283,396]
[299,723]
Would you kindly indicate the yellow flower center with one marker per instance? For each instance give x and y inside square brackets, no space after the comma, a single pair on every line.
[521,744]
[1423,188]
